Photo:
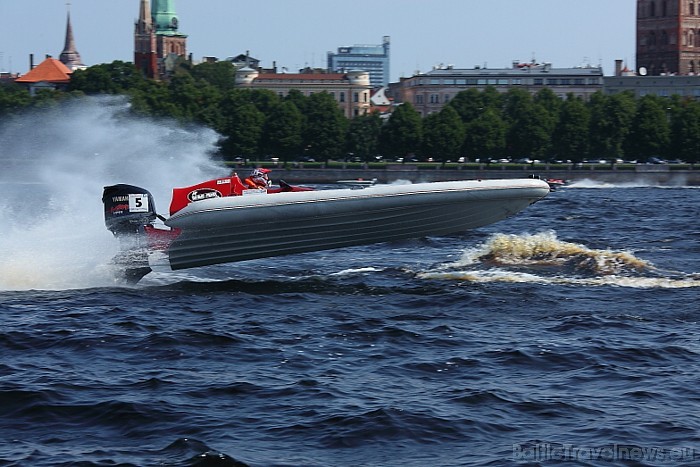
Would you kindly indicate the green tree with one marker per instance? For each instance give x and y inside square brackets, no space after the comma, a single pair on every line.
[243,132]
[530,125]
[650,131]
[468,104]
[571,137]
[218,74]
[402,134]
[282,132]
[108,78]
[325,127]
[363,135]
[611,117]
[485,137]
[13,99]
[443,135]
[685,126]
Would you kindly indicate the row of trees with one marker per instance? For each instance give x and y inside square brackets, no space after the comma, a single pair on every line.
[474,124]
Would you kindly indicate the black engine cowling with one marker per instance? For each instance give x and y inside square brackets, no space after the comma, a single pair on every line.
[127,209]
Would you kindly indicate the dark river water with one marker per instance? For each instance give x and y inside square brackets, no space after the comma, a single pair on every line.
[569,332]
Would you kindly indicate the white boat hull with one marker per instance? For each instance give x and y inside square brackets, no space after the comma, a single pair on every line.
[238,228]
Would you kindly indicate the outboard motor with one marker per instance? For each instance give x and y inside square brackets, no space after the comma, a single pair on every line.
[128,209]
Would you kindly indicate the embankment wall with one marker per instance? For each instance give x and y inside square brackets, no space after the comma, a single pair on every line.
[646,174]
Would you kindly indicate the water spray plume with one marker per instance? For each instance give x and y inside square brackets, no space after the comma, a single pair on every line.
[55,165]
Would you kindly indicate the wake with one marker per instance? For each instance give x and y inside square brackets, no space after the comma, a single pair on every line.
[544,259]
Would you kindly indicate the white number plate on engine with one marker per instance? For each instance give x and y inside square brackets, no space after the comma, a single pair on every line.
[138,202]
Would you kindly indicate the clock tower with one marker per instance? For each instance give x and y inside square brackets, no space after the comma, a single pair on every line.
[157,41]
[668,37]
[169,41]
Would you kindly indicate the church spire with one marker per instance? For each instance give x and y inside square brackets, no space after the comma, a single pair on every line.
[145,48]
[70,56]
[145,21]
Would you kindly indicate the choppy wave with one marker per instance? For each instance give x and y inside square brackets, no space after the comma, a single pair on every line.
[545,259]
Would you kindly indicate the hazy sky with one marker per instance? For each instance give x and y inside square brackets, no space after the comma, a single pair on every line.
[297,33]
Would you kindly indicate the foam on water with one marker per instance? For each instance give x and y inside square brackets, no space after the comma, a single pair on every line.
[55,165]
[677,181]
[543,258]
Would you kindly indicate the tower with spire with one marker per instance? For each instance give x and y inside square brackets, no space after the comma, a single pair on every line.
[157,41]
[145,52]
[70,56]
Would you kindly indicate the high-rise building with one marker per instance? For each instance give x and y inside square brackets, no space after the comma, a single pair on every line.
[157,40]
[371,58]
[668,37]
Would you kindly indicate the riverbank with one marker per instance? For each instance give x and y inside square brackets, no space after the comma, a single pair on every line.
[648,174]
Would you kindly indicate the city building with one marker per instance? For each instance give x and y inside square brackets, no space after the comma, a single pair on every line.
[626,80]
[668,37]
[49,74]
[350,90]
[158,44]
[371,58]
[429,92]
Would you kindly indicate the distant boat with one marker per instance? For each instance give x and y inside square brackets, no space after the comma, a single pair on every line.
[555,183]
[221,221]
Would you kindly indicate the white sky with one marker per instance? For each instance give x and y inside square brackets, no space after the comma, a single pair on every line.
[297,33]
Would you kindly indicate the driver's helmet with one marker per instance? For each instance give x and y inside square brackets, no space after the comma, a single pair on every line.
[259,176]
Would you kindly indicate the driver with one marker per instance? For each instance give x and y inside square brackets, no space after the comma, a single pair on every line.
[258,178]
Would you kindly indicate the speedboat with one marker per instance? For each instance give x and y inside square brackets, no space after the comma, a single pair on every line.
[555,183]
[221,221]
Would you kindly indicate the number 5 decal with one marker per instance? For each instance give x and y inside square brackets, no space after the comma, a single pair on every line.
[138,202]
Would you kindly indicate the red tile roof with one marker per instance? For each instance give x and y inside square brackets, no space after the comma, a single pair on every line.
[50,70]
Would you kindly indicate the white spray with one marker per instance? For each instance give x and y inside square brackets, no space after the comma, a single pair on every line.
[53,166]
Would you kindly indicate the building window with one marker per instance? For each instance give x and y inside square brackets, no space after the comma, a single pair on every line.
[652,9]
[356,97]
[691,8]
[342,97]
[419,99]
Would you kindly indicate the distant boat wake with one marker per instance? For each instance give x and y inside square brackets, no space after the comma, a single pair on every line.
[543,258]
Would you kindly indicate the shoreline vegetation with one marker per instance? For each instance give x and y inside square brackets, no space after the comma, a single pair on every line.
[615,136]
